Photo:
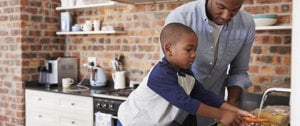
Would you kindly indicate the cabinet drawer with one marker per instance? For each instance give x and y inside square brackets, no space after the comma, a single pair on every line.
[77,104]
[40,117]
[39,98]
[75,121]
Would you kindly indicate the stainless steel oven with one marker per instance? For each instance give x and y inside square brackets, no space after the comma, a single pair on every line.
[108,102]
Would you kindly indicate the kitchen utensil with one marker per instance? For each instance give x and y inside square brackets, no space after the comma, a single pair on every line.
[97,77]
[119,79]
[116,65]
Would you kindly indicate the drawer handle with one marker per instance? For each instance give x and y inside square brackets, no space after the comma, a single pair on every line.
[72,104]
[73,122]
[40,99]
[40,116]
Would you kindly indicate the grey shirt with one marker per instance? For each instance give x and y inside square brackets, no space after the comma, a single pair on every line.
[235,41]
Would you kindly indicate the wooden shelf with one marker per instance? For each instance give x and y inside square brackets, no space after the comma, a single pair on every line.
[90,32]
[279,27]
[110,3]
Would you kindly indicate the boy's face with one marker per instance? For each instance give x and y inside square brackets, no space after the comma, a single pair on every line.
[182,54]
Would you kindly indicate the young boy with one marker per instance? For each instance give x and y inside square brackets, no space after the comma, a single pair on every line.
[170,86]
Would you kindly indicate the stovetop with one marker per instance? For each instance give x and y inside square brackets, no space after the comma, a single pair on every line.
[119,94]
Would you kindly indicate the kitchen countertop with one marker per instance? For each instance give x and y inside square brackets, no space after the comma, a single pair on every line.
[34,85]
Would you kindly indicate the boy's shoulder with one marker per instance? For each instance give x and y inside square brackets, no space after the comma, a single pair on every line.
[164,68]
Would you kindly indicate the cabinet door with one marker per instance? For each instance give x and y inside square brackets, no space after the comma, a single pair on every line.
[39,117]
[40,99]
[76,104]
[75,120]
[55,109]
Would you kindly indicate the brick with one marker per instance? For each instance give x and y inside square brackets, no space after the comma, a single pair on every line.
[280,50]
[253,68]
[281,70]
[287,60]
[267,69]
[284,19]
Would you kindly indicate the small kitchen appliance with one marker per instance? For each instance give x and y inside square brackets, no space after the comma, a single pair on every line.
[97,77]
[61,67]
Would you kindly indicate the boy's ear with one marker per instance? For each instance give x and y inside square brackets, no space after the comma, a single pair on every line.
[168,50]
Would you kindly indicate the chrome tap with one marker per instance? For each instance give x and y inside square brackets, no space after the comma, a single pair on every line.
[265,95]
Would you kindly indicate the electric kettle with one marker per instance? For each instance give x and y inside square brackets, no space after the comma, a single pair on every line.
[97,77]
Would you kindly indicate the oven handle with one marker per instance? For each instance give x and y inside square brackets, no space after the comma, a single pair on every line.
[114,117]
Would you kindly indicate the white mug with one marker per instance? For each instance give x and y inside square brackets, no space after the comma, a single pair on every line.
[67,82]
[96,24]
[86,27]
[88,22]
[119,79]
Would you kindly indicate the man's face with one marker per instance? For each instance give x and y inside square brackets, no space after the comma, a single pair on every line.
[221,11]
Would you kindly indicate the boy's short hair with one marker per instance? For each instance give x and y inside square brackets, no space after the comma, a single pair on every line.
[172,33]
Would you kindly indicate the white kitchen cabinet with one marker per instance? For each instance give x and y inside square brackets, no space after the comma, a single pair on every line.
[55,109]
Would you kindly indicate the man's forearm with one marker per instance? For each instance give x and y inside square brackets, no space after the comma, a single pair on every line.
[234,93]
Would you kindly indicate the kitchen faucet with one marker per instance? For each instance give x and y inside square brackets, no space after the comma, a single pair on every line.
[265,95]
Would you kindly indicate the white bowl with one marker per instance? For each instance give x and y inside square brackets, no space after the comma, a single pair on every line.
[265,19]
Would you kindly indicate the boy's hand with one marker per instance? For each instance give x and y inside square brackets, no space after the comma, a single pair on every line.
[229,118]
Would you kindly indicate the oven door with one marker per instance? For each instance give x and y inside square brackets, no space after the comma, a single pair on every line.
[106,106]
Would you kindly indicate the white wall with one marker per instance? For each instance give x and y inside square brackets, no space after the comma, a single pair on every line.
[295,77]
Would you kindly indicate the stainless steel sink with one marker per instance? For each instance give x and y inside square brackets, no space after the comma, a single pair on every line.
[251,101]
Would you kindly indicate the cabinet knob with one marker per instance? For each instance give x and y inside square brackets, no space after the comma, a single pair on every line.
[111,106]
[73,122]
[40,99]
[72,104]
[40,116]
[98,105]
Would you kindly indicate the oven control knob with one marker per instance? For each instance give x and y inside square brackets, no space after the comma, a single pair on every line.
[98,105]
[111,106]
[103,105]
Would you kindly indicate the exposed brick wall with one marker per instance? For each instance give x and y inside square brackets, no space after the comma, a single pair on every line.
[271,52]
[11,93]
[27,36]
[270,61]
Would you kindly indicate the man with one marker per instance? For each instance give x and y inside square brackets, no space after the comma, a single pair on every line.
[227,34]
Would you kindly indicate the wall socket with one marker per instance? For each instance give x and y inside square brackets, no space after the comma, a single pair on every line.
[92,59]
